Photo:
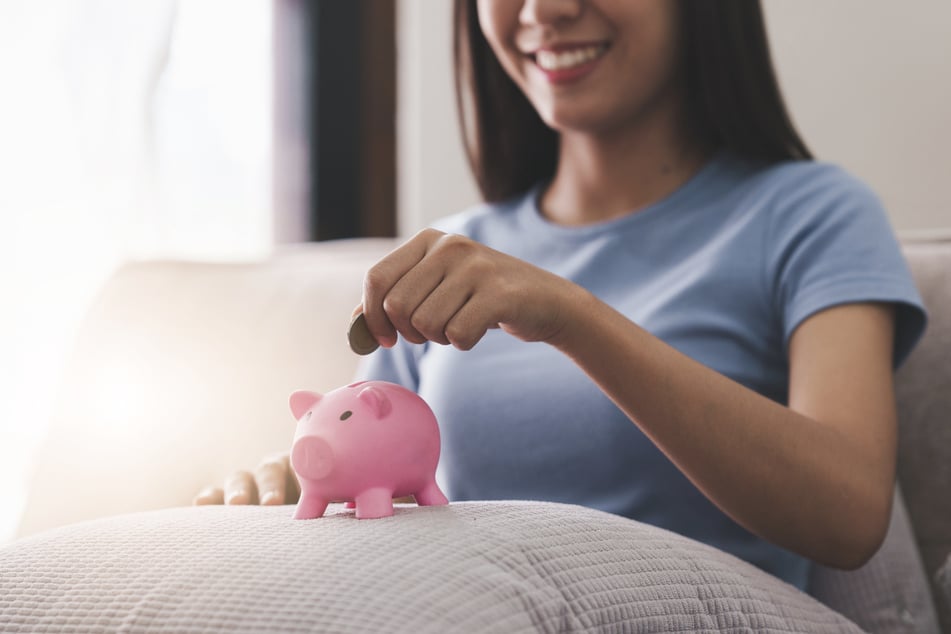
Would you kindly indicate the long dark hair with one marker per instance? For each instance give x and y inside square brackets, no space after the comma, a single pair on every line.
[732,96]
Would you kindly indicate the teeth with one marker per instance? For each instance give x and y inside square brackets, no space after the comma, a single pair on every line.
[550,60]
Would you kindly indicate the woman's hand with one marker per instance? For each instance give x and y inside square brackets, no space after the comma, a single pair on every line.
[450,290]
[273,482]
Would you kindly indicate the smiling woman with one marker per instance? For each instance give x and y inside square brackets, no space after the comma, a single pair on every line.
[727,83]
[638,167]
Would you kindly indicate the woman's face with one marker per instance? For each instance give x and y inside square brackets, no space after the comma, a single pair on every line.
[586,65]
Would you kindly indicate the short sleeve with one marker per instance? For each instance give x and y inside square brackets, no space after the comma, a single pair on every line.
[832,244]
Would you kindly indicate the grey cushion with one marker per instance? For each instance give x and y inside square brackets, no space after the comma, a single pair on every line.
[943,582]
[890,594]
[923,389]
[471,567]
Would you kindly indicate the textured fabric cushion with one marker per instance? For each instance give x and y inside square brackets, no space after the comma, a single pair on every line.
[890,594]
[943,581]
[923,389]
[470,567]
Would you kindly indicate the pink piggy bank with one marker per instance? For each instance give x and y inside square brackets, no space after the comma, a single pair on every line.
[365,443]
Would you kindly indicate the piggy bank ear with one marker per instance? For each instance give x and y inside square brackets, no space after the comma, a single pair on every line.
[302,400]
[377,400]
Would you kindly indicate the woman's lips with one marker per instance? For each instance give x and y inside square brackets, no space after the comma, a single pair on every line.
[565,64]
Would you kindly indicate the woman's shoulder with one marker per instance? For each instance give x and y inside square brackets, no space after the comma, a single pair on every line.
[808,182]
[796,196]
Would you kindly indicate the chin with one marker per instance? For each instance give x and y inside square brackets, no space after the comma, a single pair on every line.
[575,123]
[584,118]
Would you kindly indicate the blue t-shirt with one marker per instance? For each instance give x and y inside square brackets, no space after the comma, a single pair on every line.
[723,270]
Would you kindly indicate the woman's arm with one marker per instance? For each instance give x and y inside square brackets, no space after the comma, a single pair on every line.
[815,477]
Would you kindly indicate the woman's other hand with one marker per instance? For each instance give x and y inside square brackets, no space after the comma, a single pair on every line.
[273,482]
[451,290]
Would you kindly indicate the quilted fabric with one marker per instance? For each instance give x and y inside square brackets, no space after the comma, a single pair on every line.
[943,583]
[923,389]
[888,595]
[470,567]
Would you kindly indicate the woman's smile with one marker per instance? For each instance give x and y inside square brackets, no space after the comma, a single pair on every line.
[566,63]
[586,66]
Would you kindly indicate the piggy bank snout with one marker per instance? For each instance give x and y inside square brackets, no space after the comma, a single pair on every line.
[312,457]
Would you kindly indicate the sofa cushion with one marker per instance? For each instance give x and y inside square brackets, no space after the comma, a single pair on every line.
[467,567]
[923,389]
[890,594]
[943,581]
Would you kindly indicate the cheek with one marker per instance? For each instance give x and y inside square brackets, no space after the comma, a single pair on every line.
[498,20]
[647,57]
[659,27]
[491,19]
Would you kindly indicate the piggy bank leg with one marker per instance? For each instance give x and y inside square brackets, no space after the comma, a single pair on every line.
[309,507]
[374,503]
[430,495]
[350,505]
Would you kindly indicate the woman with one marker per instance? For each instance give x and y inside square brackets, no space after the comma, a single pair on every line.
[664,309]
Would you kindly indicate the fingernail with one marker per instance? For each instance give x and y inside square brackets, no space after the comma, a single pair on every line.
[269,498]
[237,497]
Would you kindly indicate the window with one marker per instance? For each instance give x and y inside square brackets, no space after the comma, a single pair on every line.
[171,128]
[335,135]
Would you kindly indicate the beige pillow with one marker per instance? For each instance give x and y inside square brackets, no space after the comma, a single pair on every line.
[469,567]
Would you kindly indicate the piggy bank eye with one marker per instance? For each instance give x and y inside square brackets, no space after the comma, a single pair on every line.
[347,414]
[307,415]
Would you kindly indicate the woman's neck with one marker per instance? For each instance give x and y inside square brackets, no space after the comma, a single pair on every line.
[608,175]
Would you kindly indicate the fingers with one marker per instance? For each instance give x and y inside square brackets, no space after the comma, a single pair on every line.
[432,317]
[273,482]
[276,482]
[210,495]
[418,290]
[406,296]
[383,276]
[240,488]
[469,324]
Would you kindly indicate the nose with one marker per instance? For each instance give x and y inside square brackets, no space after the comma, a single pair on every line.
[545,12]
[312,457]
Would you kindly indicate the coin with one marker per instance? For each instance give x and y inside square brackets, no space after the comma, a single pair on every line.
[361,341]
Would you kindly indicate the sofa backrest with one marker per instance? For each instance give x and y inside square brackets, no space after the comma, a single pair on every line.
[923,388]
[181,374]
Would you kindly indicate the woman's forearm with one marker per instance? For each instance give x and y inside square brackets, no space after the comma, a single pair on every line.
[793,480]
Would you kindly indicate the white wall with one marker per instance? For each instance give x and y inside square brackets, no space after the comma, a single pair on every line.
[433,177]
[869,84]
[867,81]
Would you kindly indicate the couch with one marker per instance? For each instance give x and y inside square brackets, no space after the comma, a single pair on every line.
[181,373]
